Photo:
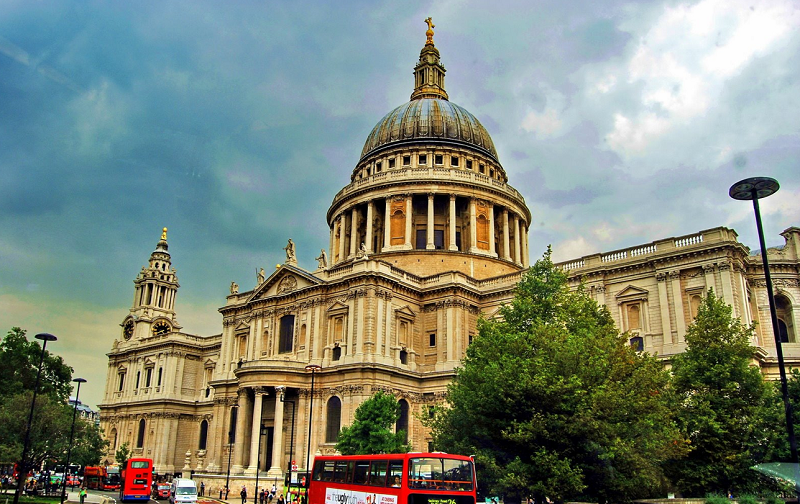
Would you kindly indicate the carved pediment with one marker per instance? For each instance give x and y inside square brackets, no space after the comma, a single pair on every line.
[337,308]
[405,312]
[495,315]
[209,364]
[242,326]
[285,280]
[632,293]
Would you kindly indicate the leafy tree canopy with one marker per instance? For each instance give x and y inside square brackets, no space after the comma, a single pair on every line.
[554,402]
[373,428]
[20,358]
[123,454]
[725,404]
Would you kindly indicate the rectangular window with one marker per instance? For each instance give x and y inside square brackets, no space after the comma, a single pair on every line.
[406,160]
[340,472]
[391,163]
[438,238]
[121,381]
[422,238]
[287,334]
[361,472]
[432,339]
[438,159]
[458,240]
[453,160]
[148,376]
[138,375]
[395,473]
[469,164]
[423,160]
[160,372]
[377,167]
[482,168]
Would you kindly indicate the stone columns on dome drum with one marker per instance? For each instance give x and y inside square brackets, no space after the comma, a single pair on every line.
[506,241]
[452,221]
[473,222]
[429,239]
[409,209]
[517,258]
[368,238]
[353,232]
[492,250]
[387,224]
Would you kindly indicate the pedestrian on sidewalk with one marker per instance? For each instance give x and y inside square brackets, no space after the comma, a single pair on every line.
[202,489]
[243,494]
[83,495]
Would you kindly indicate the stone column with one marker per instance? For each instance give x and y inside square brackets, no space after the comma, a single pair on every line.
[727,283]
[453,245]
[708,271]
[663,302]
[473,222]
[342,235]
[332,244]
[517,258]
[430,245]
[525,252]
[238,446]
[409,214]
[255,431]
[677,301]
[368,239]
[506,237]
[276,470]
[491,230]
[354,232]
[387,225]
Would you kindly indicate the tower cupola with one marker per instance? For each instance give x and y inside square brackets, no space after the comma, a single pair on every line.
[429,72]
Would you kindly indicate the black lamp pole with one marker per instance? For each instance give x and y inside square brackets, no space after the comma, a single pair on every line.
[313,368]
[71,435]
[23,463]
[755,188]
[231,436]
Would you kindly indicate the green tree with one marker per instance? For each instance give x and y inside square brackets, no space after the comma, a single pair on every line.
[49,430]
[89,445]
[20,359]
[554,402]
[123,454]
[725,404]
[372,430]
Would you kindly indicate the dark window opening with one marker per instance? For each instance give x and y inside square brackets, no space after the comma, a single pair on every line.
[203,435]
[140,437]
[438,238]
[422,238]
[121,381]
[148,377]
[402,420]
[423,159]
[160,372]
[438,159]
[232,426]
[337,353]
[377,167]
[287,334]
[403,357]
[432,339]
[637,343]
[469,164]
[391,163]
[334,420]
[138,376]
[453,161]
[784,331]
[482,169]
[406,160]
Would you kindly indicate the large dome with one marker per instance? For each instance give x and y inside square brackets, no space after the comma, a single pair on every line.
[434,119]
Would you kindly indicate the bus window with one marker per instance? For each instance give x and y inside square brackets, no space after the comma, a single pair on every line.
[395,473]
[361,472]
[340,472]
[377,473]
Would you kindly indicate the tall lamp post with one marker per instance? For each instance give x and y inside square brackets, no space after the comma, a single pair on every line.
[23,464]
[755,188]
[262,430]
[231,437]
[291,437]
[313,368]
[71,435]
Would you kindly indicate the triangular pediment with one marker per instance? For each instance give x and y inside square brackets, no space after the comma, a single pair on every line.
[632,292]
[495,315]
[405,311]
[285,280]
[242,326]
[337,307]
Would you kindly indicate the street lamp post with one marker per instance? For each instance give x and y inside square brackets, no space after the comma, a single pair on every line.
[23,464]
[261,432]
[71,435]
[291,437]
[313,368]
[231,434]
[755,188]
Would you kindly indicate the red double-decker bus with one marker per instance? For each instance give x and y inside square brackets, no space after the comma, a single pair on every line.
[137,478]
[407,478]
[94,477]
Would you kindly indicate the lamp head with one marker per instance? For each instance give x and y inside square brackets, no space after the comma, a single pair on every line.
[45,337]
[79,380]
[754,188]
[313,367]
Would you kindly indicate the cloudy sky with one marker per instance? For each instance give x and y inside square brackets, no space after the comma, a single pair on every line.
[234,124]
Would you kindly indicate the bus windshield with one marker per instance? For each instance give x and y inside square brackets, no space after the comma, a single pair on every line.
[440,474]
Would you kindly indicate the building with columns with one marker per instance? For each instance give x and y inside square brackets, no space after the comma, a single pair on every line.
[426,237]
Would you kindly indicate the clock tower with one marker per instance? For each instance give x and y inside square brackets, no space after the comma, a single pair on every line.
[153,311]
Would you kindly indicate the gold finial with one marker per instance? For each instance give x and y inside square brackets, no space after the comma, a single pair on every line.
[164,234]
[429,33]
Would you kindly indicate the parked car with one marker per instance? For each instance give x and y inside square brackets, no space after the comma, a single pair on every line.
[161,491]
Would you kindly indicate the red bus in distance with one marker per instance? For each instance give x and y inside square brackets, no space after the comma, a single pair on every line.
[405,478]
[94,478]
[137,479]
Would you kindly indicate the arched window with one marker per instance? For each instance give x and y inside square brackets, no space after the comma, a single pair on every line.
[334,420]
[232,426]
[402,420]
[337,353]
[203,435]
[140,437]
[287,334]
[785,319]
[113,438]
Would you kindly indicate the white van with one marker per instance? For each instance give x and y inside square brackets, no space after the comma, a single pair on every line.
[183,491]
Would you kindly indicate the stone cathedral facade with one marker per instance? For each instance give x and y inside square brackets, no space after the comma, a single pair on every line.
[426,236]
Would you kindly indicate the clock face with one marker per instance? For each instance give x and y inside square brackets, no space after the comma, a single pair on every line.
[161,327]
[127,330]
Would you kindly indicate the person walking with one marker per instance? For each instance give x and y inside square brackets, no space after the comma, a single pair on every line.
[243,494]
[202,489]
[83,495]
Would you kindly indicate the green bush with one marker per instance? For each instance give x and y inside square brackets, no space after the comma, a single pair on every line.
[747,499]
[773,499]
[716,499]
